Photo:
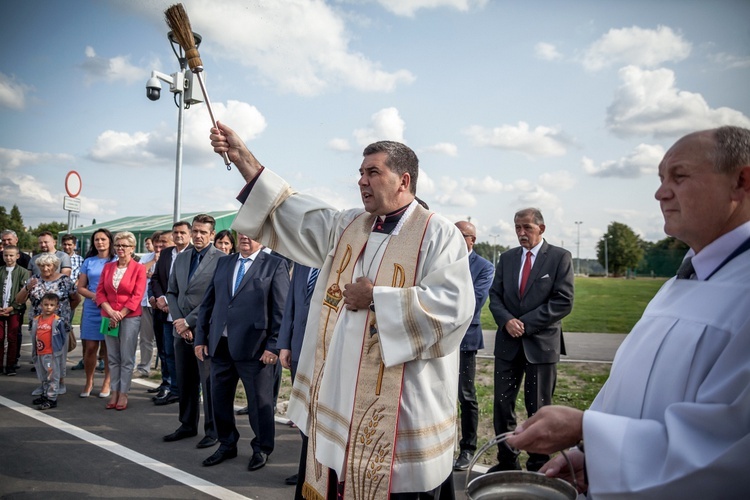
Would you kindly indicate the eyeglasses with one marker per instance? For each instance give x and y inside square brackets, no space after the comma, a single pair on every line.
[123,246]
[467,235]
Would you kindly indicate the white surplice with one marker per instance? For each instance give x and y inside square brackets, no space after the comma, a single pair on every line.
[439,307]
[673,420]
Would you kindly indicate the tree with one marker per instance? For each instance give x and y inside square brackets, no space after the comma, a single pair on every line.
[488,251]
[624,248]
[53,227]
[663,258]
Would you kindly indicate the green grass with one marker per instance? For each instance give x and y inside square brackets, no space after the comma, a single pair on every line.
[602,305]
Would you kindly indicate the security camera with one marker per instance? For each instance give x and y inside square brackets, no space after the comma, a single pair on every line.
[153,88]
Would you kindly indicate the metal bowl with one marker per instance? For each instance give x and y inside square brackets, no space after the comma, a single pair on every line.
[519,485]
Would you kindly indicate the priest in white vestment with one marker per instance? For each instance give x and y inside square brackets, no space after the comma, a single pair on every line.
[394,281]
[673,420]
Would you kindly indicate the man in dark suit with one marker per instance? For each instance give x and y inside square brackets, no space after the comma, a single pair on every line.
[238,326]
[481,276]
[168,391]
[191,274]
[290,339]
[530,295]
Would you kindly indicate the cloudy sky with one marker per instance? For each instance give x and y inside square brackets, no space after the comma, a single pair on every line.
[567,106]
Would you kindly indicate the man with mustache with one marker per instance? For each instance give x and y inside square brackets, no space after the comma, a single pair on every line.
[531,293]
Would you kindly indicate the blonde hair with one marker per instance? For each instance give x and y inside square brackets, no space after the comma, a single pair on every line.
[126,235]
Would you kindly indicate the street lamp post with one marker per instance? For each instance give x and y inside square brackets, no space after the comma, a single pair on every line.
[606,257]
[578,246]
[494,248]
[181,85]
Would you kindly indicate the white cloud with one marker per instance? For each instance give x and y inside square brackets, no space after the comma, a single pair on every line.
[339,144]
[11,159]
[562,180]
[547,51]
[730,61]
[409,7]
[644,160]
[297,46]
[114,69]
[452,194]
[540,141]
[444,148]
[158,146]
[636,46]
[12,92]
[648,103]
[385,125]
[486,185]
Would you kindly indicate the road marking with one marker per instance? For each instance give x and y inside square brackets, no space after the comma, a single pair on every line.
[161,468]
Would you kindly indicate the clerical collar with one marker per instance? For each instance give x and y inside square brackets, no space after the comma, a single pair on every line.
[386,224]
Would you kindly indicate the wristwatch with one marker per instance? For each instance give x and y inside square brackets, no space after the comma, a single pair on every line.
[372,305]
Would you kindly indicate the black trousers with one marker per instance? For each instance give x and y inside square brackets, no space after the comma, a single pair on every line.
[192,376]
[159,318]
[467,398]
[258,380]
[539,386]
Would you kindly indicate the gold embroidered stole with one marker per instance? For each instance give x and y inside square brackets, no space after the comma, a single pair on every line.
[372,432]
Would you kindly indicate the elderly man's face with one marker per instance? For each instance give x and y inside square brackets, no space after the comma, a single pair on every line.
[9,239]
[529,233]
[696,200]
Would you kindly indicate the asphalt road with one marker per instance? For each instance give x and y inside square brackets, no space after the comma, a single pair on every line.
[80,450]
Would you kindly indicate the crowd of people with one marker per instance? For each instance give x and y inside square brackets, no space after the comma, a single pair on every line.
[378,319]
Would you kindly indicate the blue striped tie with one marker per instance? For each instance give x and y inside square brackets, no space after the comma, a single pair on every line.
[311,280]
[240,274]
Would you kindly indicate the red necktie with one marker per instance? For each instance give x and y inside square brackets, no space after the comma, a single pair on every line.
[525,273]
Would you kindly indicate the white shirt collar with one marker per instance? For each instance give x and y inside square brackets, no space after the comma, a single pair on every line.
[707,260]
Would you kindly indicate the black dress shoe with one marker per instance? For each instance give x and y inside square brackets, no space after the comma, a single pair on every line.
[179,434]
[292,480]
[167,400]
[154,390]
[242,411]
[219,456]
[161,393]
[206,442]
[257,461]
[463,461]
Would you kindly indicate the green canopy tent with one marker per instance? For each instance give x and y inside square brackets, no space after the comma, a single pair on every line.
[144,226]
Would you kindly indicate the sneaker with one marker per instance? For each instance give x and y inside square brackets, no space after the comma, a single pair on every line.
[100,366]
[62,389]
[47,404]
[79,366]
[39,400]
[37,392]
[11,372]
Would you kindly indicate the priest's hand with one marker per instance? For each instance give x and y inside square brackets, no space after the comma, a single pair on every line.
[226,140]
[551,429]
[358,295]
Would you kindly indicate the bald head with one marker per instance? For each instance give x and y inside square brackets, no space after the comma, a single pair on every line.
[469,233]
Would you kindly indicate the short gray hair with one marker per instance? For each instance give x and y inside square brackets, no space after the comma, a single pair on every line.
[732,149]
[7,232]
[47,258]
[534,212]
